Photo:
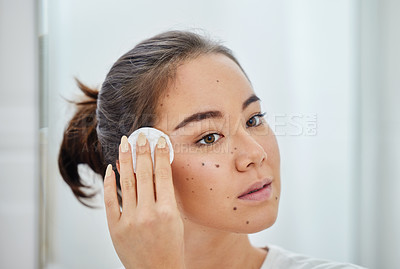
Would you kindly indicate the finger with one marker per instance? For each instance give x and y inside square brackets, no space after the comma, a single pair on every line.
[127,177]
[144,172]
[110,197]
[163,174]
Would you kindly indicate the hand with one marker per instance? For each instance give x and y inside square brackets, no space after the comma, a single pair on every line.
[148,233]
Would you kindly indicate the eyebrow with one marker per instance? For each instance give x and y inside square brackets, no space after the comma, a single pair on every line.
[199,117]
[251,99]
[213,113]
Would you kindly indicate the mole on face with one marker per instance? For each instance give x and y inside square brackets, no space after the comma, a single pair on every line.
[217,80]
[227,197]
[276,197]
[234,208]
[247,222]
[231,152]
[192,191]
[217,165]
[187,178]
[161,104]
[235,148]
[202,164]
[210,189]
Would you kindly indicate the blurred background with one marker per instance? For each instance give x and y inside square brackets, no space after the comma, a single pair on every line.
[327,72]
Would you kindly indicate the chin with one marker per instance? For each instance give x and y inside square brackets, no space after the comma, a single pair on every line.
[257,222]
[257,226]
[253,225]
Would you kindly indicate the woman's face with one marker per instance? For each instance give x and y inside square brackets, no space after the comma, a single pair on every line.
[222,146]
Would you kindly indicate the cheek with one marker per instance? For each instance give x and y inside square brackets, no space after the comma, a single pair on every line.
[196,179]
[195,170]
[270,145]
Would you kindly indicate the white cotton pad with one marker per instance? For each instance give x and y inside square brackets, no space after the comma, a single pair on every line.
[152,136]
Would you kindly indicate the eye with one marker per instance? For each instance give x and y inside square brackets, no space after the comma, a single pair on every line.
[255,120]
[209,139]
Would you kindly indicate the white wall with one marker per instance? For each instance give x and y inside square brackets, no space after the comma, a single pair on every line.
[301,59]
[318,206]
[379,132]
[18,135]
[388,177]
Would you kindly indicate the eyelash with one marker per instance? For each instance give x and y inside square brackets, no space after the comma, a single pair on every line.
[258,116]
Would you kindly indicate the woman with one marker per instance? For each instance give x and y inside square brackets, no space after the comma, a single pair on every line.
[224,182]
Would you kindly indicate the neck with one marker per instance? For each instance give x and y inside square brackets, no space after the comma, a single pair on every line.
[207,247]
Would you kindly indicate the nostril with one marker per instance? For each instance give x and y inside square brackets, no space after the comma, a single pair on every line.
[264,158]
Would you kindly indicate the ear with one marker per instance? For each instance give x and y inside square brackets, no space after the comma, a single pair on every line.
[117,163]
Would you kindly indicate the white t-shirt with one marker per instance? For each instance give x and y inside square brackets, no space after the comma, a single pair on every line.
[278,258]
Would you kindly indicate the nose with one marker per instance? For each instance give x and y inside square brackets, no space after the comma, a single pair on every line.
[250,154]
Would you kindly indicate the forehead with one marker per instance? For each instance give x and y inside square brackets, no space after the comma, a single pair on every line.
[208,82]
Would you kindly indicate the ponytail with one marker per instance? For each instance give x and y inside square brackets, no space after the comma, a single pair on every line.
[80,145]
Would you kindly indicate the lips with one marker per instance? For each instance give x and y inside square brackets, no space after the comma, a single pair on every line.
[256,186]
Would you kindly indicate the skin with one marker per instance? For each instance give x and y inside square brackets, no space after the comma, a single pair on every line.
[209,173]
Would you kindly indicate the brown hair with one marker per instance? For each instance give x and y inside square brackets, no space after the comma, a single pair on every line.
[126,101]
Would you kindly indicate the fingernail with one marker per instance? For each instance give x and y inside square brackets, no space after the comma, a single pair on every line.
[161,142]
[108,171]
[141,141]
[124,144]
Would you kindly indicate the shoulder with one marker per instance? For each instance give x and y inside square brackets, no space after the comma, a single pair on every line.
[278,257]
